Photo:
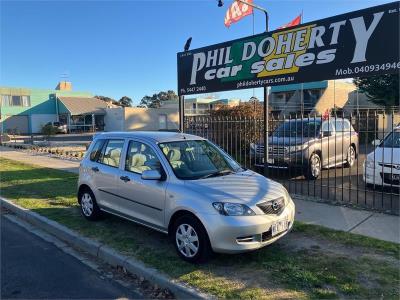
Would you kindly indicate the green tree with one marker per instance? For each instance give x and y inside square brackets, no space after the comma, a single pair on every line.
[382,90]
[251,109]
[107,99]
[156,100]
[125,101]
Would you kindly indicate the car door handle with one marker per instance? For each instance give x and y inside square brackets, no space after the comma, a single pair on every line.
[125,178]
[95,169]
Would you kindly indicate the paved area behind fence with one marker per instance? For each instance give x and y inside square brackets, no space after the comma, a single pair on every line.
[368,223]
[40,159]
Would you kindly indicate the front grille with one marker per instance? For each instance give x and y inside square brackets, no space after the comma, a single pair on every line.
[276,150]
[259,149]
[389,165]
[273,150]
[271,207]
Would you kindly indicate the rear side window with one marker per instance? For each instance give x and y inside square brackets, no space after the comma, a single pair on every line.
[96,150]
[327,127]
[111,153]
[339,125]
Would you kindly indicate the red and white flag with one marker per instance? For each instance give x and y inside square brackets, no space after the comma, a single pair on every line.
[292,23]
[237,11]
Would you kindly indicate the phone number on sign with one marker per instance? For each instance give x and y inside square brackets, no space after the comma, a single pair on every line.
[369,68]
[195,89]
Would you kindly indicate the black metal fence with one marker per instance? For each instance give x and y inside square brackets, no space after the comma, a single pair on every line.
[346,158]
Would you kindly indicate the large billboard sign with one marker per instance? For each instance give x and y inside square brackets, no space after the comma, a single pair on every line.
[360,43]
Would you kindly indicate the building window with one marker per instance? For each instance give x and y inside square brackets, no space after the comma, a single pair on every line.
[26,101]
[8,100]
[5,100]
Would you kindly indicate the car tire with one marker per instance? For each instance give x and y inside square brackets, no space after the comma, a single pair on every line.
[89,208]
[314,167]
[191,240]
[350,157]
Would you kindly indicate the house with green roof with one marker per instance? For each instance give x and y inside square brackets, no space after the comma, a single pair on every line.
[27,110]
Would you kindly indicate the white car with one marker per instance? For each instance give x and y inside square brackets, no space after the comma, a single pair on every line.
[60,128]
[382,166]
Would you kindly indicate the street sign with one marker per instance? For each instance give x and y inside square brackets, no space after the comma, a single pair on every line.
[355,44]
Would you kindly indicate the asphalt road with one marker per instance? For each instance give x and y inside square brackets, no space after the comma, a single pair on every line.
[33,268]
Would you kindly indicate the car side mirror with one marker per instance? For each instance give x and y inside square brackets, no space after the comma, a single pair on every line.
[376,142]
[151,175]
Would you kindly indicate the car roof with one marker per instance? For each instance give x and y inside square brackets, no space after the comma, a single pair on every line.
[151,136]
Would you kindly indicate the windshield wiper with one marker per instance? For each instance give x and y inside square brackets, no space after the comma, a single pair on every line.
[218,173]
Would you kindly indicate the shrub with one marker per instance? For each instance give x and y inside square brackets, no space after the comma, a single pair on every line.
[49,130]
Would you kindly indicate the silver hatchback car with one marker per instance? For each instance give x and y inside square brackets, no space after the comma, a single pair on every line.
[184,186]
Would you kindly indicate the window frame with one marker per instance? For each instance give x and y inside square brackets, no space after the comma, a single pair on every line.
[107,141]
[330,123]
[129,141]
[226,157]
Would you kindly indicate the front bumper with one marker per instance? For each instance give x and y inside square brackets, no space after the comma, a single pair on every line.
[229,234]
[382,176]
[295,159]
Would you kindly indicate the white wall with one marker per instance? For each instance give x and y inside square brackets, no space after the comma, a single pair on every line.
[114,119]
[136,118]
[38,120]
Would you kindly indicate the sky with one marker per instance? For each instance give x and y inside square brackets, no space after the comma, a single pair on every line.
[128,48]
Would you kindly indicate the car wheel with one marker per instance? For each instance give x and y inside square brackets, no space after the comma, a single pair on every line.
[351,157]
[314,167]
[89,208]
[191,240]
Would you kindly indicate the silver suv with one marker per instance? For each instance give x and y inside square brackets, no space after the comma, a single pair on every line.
[310,144]
[184,186]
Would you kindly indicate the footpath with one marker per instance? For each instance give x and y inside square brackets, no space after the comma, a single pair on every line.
[368,223]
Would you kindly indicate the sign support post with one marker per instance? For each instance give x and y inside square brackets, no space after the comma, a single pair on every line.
[266,94]
[181,104]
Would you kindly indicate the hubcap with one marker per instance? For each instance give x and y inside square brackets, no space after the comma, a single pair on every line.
[315,165]
[187,240]
[351,156]
[87,204]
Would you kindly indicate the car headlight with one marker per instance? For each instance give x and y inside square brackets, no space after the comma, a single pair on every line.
[233,209]
[296,148]
[369,164]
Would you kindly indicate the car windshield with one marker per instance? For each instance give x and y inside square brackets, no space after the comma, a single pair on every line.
[198,159]
[392,140]
[309,128]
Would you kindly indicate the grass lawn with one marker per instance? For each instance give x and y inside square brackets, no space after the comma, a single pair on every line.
[310,262]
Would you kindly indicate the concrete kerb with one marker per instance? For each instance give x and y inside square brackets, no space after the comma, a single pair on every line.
[103,252]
